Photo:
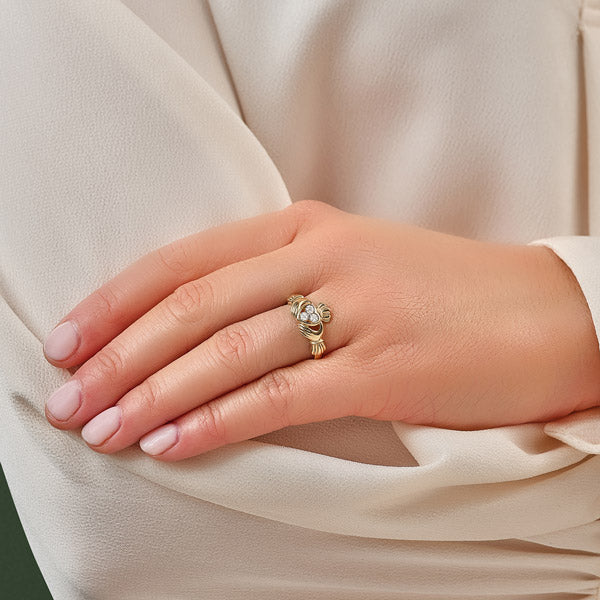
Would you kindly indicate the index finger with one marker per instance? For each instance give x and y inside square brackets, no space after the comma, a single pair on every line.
[111,308]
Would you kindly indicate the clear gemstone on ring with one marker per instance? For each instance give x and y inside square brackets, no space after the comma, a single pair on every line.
[303,316]
[314,317]
[309,308]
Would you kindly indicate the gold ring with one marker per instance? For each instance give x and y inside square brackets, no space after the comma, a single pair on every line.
[310,317]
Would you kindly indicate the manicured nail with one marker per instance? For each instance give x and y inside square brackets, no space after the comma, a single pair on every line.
[62,341]
[160,440]
[65,401]
[102,426]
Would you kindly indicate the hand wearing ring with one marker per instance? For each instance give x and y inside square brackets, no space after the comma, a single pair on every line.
[193,347]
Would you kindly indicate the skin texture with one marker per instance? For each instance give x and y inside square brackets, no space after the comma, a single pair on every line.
[426,328]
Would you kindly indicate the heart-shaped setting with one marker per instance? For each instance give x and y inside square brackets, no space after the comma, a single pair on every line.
[309,315]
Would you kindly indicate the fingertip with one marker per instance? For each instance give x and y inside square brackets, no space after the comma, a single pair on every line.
[63,342]
[63,404]
[160,440]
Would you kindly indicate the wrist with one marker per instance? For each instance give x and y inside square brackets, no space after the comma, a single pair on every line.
[564,311]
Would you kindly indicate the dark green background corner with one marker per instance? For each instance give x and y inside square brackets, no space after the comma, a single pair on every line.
[20,578]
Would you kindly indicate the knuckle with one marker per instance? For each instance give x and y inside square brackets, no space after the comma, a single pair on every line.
[147,396]
[306,213]
[174,257]
[276,389]
[232,344]
[210,423]
[110,361]
[308,207]
[183,304]
[109,304]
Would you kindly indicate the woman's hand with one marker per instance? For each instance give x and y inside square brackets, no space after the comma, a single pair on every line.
[426,328]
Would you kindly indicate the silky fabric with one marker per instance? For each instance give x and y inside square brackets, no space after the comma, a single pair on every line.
[124,126]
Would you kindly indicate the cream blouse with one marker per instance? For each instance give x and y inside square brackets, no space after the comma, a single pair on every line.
[126,125]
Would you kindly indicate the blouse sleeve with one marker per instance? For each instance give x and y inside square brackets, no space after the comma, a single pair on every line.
[581,253]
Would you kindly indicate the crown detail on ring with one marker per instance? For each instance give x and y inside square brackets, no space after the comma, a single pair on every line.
[310,321]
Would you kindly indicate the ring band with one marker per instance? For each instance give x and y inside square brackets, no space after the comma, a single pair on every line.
[310,321]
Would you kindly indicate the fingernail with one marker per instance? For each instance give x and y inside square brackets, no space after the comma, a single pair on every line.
[62,341]
[102,426]
[160,440]
[65,401]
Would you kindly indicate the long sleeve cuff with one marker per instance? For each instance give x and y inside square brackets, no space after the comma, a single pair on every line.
[581,254]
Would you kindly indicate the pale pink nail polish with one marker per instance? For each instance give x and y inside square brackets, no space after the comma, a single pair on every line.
[65,401]
[102,426]
[62,341]
[160,440]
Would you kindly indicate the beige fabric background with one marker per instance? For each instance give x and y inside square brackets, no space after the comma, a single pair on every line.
[124,126]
